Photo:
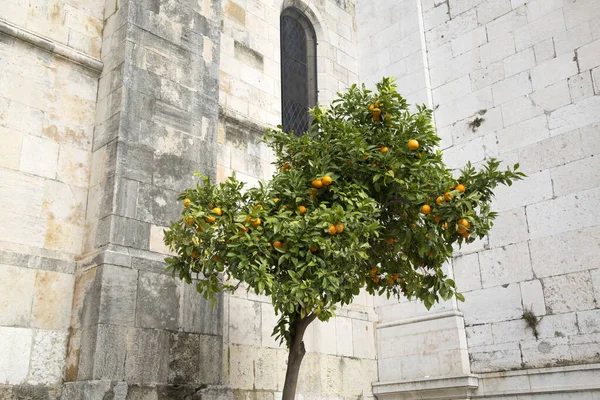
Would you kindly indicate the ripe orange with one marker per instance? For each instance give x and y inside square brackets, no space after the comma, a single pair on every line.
[317,183]
[339,227]
[437,219]
[464,222]
[448,196]
[463,227]
[445,225]
[384,149]
[425,209]
[210,219]
[285,166]
[313,248]
[258,207]
[187,202]
[390,280]
[215,258]
[439,200]
[461,188]
[277,244]
[373,271]
[332,230]
[194,254]
[326,180]
[376,114]
[301,210]
[371,107]
[217,211]
[413,144]
[189,220]
[248,218]
[395,277]
[255,222]
[276,199]
[390,240]
[376,279]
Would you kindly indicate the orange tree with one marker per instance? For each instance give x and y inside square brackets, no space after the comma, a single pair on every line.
[363,200]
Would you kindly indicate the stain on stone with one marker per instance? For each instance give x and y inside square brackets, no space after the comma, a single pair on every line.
[248,56]
[235,12]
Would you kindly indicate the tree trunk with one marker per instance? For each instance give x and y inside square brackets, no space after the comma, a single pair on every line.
[295,356]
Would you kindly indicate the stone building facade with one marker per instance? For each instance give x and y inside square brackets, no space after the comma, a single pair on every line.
[108,106]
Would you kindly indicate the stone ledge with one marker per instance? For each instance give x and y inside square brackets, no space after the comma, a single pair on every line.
[421,318]
[451,387]
[51,45]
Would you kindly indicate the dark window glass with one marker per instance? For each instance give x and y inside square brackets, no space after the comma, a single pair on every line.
[298,70]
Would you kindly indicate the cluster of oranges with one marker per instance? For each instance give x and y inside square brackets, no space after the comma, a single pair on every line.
[336,228]
[463,224]
[376,110]
[391,279]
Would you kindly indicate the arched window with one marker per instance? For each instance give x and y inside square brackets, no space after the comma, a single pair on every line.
[298,70]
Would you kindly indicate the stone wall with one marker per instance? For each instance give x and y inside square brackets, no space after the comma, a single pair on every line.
[47,104]
[341,353]
[517,80]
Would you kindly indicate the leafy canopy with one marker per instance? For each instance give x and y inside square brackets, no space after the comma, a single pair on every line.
[310,242]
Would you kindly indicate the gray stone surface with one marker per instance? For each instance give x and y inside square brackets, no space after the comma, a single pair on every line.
[110,352]
[147,356]
[211,359]
[184,358]
[158,301]
[199,315]
[119,291]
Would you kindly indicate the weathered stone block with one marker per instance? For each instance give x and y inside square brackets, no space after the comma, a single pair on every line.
[545,353]
[506,264]
[509,227]
[533,297]
[118,295]
[157,205]
[241,370]
[147,356]
[265,365]
[15,349]
[586,172]
[130,232]
[497,357]
[52,300]
[47,357]
[493,304]
[158,299]
[211,359]
[198,314]
[17,288]
[135,161]
[184,358]
[572,292]
[111,352]
[244,322]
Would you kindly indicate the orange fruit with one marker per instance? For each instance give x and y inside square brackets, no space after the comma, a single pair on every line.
[276,199]
[189,220]
[384,149]
[301,210]
[313,248]
[332,230]
[258,207]
[285,166]
[210,219]
[461,188]
[376,279]
[463,227]
[448,196]
[376,114]
[390,240]
[437,219]
[371,107]
[425,209]
[395,277]
[339,227]
[217,211]
[277,244]
[439,200]
[373,271]
[464,222]
[248,218]
[256,222]
[390,280]
[413,144]
[326,180]
[215,258]
[187,202]
[194,254]
[445,225]
[317,183]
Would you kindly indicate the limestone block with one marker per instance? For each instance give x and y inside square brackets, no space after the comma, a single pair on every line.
[357,376]
[488,11]
[585,348]
[344,338]
[269,320]
[497,49]
[552,97]
[566,252]
[47,357]
[452,90]
[574,116]
[130,232]
[17,288]
[39,156]
[572,292]
[506,264]
[198,314]
[211,359]
[540,29]
[324,339]
[519,110]
[475,150]
[492,305]
[363,335]
[10,151]
[158,299]
[511,138]
[511,88]
[147,358]
[469,40]
[435,16]
[487,76]
[52,301]
[521,61]
[446,71]
[531,191]
[479,335]
[580,86]
[551,152]
[533,297]
[265,368]
[509,227]
[589,321]
[596,80]
[154,204]
[546,352]
[596,282]
[559,325]
[15,350]
[553,71]
[587,56]
[563,214]
[497,357]
[73,166]
[241,366]
[22,118]
[507,23]
[466,272]
[586,172]
[244,322]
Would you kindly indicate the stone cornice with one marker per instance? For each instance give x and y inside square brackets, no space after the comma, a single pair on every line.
[51,46]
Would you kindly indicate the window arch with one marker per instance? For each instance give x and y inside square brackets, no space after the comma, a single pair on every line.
[298,70]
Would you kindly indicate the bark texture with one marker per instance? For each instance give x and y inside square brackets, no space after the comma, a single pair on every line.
[295,356]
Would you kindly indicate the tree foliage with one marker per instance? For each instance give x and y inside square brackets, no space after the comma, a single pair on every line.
[354,204]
